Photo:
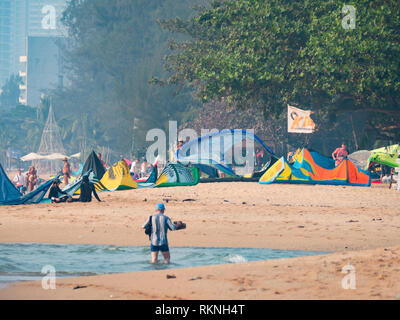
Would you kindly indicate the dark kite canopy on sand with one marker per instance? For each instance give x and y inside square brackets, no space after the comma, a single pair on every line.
[8,191]
[93,163]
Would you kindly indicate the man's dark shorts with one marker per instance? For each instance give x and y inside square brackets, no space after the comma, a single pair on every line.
[163,248]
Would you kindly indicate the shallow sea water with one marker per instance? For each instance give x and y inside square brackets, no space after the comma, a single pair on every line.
[24,261]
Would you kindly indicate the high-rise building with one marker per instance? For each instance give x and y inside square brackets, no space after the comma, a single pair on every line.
[5,39]
[25,25]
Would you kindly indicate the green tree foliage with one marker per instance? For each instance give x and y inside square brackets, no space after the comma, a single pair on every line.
[19,128]
[271,53]
[10,92]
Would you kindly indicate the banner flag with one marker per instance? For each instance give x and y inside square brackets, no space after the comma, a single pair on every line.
[299,121]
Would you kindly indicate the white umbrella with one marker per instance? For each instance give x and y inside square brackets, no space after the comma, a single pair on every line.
[55,156]
[76,155]
[32,156]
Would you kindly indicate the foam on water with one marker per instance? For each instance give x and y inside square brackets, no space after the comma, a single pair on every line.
[235,258]
[24,261]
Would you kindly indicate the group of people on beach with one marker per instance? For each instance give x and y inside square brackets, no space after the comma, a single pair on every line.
[26,183]
[56,195]
[157,225]
[140,169]
[87,189]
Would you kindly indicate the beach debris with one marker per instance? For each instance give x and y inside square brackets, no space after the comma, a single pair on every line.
[226,200]
[377,219]
[184,200]
[244,202]
[79,287]
[168,200]
[300,227]
[171,276]
[195,278]
[353,221]
[145,199]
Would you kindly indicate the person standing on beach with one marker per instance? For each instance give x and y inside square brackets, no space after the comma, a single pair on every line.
[158,237]
[143,168]
[179,146]
[135,169]
[105,166]
[339,154]
[66,171]
[31,179]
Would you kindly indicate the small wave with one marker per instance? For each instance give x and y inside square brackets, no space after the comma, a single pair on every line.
[236,258]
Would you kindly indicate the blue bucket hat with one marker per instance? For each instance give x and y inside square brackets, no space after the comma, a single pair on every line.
[160,206]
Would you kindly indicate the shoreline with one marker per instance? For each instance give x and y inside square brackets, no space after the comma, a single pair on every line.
[309,278]
[344,221]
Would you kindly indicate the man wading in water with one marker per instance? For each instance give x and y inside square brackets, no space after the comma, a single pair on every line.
[159,224]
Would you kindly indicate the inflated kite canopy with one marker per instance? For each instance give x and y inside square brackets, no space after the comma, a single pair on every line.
[386,155]
[312,168]
[218,149]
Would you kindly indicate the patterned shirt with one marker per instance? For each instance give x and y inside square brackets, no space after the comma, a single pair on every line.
[160,225]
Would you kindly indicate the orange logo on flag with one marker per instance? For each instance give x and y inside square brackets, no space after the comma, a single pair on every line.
[299,121]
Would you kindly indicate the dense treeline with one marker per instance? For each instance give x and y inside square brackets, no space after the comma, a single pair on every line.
[267,54]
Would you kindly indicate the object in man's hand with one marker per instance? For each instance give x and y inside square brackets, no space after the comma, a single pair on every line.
[179,225]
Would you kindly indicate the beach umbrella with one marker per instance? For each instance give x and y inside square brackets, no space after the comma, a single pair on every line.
[55,156]
[32,156]
[76,155]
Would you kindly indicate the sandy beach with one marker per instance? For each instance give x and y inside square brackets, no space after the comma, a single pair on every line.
[357,225]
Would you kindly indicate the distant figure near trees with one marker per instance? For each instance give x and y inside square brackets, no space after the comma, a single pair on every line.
[31,179]
[135,169]
[66,171]
[339,154]
[102,162]
[143,169]
[179,146]
[19,181]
